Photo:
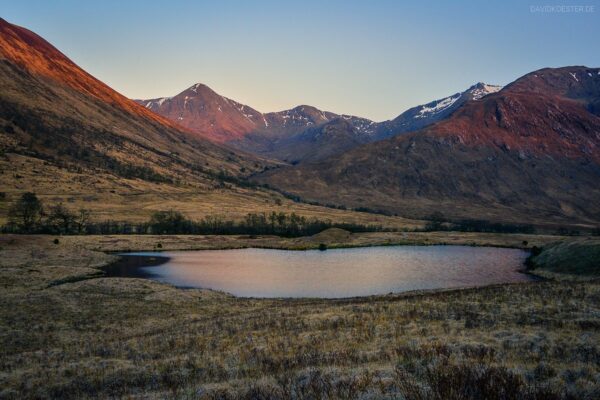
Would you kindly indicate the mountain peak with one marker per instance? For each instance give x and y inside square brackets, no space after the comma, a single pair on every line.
[199,87]
[208,114]
[481,89]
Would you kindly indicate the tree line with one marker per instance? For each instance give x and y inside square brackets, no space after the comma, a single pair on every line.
[29,215]
[437,222]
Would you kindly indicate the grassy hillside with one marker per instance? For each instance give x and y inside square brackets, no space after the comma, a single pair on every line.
[112,197]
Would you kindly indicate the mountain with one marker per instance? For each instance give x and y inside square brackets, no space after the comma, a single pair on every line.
[306,133]
[69,137]
[220,119]
[421,116]
[52,108]
[344,132]
[527,153]
[301,134]
[313,143]
[29,52]
[201,110]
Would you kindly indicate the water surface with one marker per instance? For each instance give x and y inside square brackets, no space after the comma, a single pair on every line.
[328,274]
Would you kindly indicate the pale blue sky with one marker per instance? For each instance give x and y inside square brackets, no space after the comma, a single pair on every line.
[368,58]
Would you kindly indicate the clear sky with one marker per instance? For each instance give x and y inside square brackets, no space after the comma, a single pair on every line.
[369,58]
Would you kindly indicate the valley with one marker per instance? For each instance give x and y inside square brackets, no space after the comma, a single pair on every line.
[450,252]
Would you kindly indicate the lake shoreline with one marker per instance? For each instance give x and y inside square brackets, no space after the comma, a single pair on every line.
[336,273]
[147,334]
[332,238]
[110,245]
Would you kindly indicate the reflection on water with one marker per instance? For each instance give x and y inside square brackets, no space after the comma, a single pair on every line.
[333,273]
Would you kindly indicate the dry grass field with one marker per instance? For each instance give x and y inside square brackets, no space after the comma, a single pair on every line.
[68,332]
[333,238]
[110,197]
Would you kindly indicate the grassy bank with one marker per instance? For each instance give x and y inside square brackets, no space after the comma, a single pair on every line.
[65,332]
[333,238]
[574,259]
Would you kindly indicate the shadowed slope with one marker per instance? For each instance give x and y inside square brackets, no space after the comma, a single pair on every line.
[527,153]
[52,109]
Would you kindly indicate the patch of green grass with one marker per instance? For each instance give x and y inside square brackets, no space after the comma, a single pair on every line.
[575,257]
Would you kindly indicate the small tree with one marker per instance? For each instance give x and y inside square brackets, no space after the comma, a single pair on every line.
[60,219]
[168,222]
[82,220]
[26,214]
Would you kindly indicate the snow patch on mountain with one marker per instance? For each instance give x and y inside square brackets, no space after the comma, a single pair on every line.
[437,106]
[482,89]
[574,76]
[156,103]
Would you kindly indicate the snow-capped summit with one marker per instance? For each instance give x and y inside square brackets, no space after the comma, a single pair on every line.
[421,116]
[481,90]
[302,132]
[154,104]
[202,110]
[475,92]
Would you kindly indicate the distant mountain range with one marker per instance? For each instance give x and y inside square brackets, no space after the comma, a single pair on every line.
[525,153]
[529,152]
[303,133]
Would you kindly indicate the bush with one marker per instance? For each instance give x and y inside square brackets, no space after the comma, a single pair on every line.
[445,380]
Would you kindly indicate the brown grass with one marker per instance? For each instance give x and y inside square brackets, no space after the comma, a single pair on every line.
[134,338]
[333,238]
[134,200]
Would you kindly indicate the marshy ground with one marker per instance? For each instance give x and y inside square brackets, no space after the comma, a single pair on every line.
[68,332]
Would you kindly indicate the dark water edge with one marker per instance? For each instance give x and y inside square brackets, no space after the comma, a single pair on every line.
[134,265]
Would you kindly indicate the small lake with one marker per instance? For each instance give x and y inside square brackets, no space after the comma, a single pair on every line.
[333,273]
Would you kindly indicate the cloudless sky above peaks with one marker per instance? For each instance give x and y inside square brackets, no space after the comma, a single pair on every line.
[373,58]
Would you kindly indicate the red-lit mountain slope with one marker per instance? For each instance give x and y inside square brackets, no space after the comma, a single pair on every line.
[528,153]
